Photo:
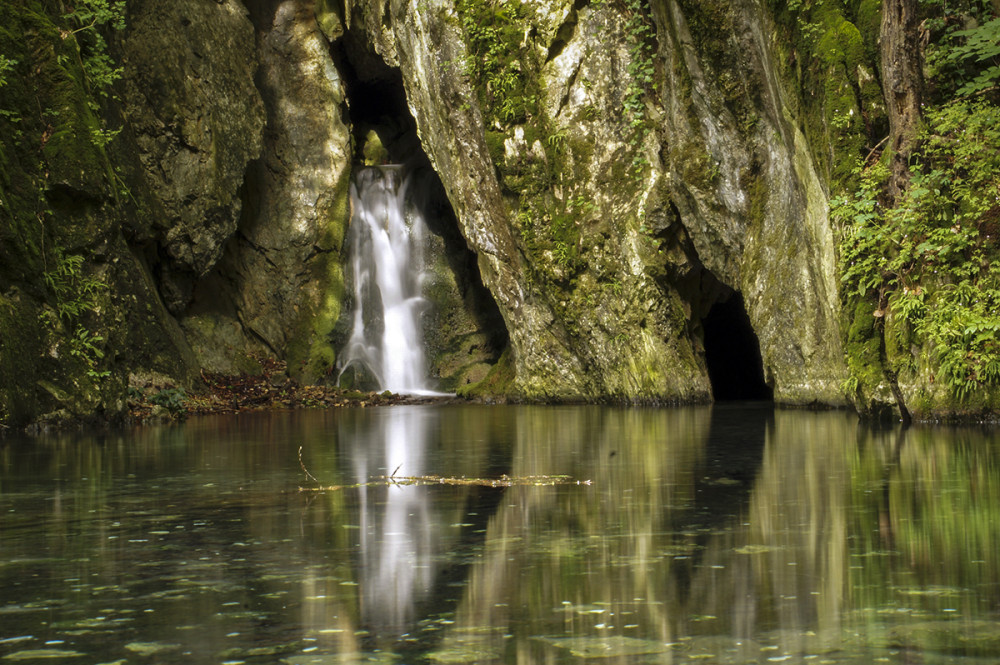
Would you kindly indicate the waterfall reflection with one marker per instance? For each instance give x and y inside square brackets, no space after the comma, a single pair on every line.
[399,533]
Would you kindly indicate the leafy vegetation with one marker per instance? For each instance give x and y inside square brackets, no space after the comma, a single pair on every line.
[963,57]
[498,62]
[172,399]
[6,64]
[919,270]
[76,294]
[641,34]
[56,83]
[930,263]
[89,17]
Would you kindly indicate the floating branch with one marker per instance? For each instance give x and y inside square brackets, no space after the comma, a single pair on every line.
[502,481]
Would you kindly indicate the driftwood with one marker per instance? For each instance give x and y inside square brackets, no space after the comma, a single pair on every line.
[385,481]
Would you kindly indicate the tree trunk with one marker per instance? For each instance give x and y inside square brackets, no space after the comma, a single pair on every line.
[902,82]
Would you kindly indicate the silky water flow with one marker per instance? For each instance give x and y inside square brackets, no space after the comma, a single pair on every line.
[387,269]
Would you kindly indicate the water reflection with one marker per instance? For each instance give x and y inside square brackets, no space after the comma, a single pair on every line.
[399,537]
[726,535]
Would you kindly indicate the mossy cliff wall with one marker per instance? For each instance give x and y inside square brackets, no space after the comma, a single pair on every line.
[616,168]
[619,168]
[79,310]
[205,234]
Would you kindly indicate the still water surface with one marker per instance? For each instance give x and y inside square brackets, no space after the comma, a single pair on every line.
[731,534]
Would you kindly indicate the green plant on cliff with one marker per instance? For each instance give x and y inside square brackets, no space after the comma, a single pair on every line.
[88,18]
[498,61]
[75,295]
[641,70]
[6,64]
[930,265]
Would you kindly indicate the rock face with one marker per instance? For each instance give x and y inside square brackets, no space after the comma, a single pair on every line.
[606,236]
[749,196]
[278,289]
[197,120]
[610,176]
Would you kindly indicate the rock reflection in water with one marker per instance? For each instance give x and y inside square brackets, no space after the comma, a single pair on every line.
[718,534]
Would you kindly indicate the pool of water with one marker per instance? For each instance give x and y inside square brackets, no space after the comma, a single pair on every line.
[727,534]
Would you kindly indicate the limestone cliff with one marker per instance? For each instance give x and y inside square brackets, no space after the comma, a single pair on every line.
[277,289]
[621,185]
[610,215]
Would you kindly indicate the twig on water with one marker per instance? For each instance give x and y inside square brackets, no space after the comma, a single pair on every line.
[305,470]
[393,479]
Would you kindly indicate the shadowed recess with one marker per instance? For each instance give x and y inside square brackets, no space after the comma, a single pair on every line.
[732,353]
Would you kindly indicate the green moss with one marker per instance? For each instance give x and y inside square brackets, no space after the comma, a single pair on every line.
[831,61]
[502,67]
[495,145]
[499,382]
[863,350]
[330,19]
[311,355]
[57,203]
[20,348]
[868,19]
[374,151]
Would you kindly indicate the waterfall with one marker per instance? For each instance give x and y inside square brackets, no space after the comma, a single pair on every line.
[386,270]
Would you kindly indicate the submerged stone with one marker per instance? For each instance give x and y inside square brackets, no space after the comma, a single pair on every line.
[970,638]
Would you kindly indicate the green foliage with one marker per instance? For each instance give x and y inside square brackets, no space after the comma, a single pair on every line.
[172,399]
[932,261]
[963,56]
[641,38]
[75,295]
[86,346]
[498,62]
[89,17]
[6,65]
[91,14]
[981,46]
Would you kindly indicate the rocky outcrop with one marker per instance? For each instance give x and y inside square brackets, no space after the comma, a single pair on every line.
[606,236]
[197,121]
[747,188]
[554,356]
[278,289]
[615,172]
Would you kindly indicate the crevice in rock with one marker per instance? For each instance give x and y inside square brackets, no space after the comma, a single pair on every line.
[565,33]
[732,352]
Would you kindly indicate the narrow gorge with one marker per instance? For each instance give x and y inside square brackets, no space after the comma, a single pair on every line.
[614,201]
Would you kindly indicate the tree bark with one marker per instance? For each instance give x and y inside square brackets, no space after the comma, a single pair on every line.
[902,83]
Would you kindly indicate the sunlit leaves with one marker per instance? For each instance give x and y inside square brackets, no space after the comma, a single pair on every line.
[930,259]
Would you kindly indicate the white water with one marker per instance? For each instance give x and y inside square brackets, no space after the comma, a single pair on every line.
[386,240]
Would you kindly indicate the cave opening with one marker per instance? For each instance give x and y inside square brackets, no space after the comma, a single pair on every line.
[732,353]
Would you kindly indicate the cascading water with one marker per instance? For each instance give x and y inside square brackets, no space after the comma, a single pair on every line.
[386,240]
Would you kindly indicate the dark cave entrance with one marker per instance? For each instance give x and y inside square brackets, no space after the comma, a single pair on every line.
[732,353]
